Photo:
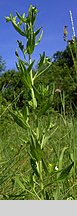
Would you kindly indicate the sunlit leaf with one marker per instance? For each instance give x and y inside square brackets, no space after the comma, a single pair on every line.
[39,39]
[33,98]
[7,19]
[25,75]
[17,28]
[22,18]
[31,42]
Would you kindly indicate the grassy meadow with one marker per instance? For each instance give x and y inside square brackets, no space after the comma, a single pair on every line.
[59,151]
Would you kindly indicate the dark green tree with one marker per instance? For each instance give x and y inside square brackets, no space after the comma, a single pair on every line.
[2,65]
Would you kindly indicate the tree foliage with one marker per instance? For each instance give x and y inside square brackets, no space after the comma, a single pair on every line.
[2,65]
[61,74]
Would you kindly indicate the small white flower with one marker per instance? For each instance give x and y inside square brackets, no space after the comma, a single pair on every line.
[56,168]
[58,90]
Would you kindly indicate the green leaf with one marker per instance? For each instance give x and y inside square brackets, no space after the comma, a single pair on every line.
[25,75]
[44,166]
[17,65]
[65,172]
[47,195]
[34,167]
[7,19]
[22,18]
[33,98]
[20,183]
[32,184]
[44,107]
[37,32]
[35,148]
[30,66]
[16,53]
[25,112]
[32,12]
[39,39]
[31,42]
[43,71]
[37,93]
[61,158]
[18,120]
[41,62]
[19,30]
[45,138]
[21,46]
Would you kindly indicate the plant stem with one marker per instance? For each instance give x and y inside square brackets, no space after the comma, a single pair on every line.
[75,66]
[41,180]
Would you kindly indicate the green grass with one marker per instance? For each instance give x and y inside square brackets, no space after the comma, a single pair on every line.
[15,165]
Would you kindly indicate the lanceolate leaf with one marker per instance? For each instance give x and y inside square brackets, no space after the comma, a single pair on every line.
[37,93]
[65,172]
[32,12]
[18,120]
[22,18]
[20,183]
[16,53]
[43,71]
[35,148]
[31,42]
[25,75]
[61,158]
[18,29]
[7,19]
[21,46]
[42,57]
[37,32]
[30,66]
[33,98]
[34,167]
[44,166]
[39,39]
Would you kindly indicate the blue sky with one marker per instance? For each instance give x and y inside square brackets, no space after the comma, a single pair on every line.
[52,16]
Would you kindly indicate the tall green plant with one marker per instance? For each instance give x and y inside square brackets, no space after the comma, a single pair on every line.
[37,137]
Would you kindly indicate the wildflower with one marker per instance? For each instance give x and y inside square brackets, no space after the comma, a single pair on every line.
[58,90]
[70,198]
[50,165]
[56,168]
